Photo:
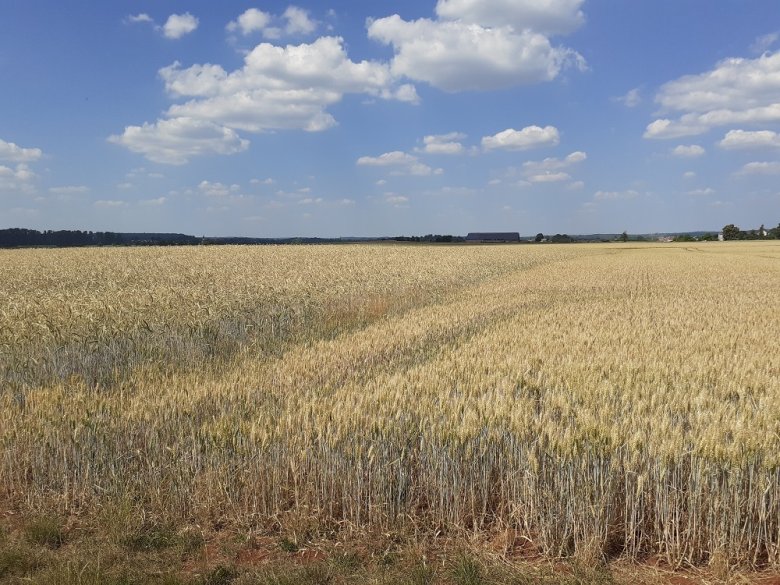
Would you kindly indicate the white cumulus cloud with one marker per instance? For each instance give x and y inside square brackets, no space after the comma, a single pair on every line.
[742,139]
[551,170]
[298,21]
[444,143]
[548,17]
[482,44]
[701,192]
[393,158]
[458,55]
[737,91]
[142,17]
[764,42]
[403,162]
[153,202]
[69,190]
[277,88]
[217,189]
[549,177]
[688,151]
[177,140]
[293,21]
[615,195]
[16,179]
[251,20]
[553,164]
[179,25]
[761,168]
[631,99]
[110,203]
[13,153]
[528,137]
[396,200]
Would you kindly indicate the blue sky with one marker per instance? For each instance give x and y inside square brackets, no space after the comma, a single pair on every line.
[386,118]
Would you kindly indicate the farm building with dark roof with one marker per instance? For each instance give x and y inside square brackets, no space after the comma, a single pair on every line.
[493,237]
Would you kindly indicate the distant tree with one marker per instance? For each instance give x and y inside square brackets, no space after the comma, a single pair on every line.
[731,232]
[624,237]
[539,237]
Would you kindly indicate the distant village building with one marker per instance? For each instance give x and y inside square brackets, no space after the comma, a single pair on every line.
[720,237]
[493,237]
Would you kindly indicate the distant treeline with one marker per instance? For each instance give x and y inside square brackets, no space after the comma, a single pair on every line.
[732,232]
[436,238]
[20,237]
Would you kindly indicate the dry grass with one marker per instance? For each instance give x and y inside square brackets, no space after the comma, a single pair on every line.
[593,401]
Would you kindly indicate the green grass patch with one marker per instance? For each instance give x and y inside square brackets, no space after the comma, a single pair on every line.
[152,537]
[467,571]
[45,531]
[15,562]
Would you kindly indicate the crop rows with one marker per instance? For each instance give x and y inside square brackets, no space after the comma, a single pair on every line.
[595,400]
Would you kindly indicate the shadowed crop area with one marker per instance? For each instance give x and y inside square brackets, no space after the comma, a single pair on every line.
[589,402]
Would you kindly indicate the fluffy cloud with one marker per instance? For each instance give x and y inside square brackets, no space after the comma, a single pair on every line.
[761,168]
[736,91]
[296,22]
[179,25]
[14,153]
[688,151]
[69,190]
[252,20]
[142,17]
[277,88]
[631,100]
[110,203]
[549,177]
[217,189]
[177,140]
[741,139]
[403,163]
[153,202]
[764,42]
[394,158]
[458,55]
[701,192]
[553,164]
[528,137]
[396,200]
[175,27]
[550,170]
[548,17]
[16,179]
[444,143]
[615,195]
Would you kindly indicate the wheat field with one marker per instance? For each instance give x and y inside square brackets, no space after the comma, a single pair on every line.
[599,400]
